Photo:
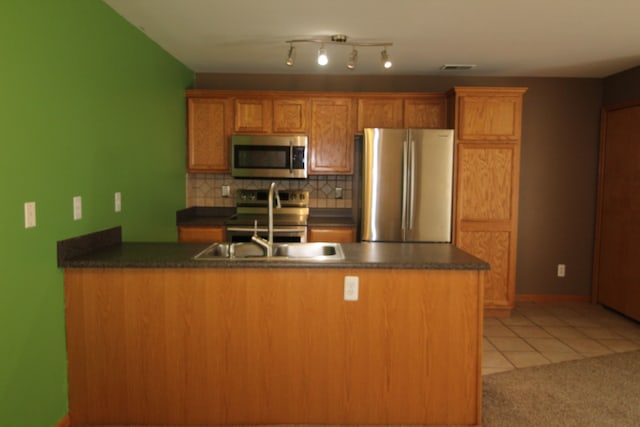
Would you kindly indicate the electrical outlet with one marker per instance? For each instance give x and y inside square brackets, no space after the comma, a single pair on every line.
[77,208]
[338,192]
[117,202]
[562,270]
[351,288]
[226,191]
[29,214]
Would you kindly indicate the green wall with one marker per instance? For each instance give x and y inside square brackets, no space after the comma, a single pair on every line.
[88,106]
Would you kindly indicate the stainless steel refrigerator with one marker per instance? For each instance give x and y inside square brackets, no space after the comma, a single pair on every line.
[407,185]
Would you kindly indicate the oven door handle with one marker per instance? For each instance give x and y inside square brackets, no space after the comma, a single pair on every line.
[275,229]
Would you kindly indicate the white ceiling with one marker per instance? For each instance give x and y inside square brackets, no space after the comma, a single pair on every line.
[534,38]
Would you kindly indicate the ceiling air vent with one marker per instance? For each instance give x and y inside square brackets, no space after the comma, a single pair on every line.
[457,67]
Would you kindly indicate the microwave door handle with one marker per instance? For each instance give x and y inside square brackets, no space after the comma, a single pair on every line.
[290,157]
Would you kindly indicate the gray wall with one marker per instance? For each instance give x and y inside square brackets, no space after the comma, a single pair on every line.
[561,122]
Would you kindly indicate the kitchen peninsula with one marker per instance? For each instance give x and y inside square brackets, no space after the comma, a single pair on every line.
[157,337]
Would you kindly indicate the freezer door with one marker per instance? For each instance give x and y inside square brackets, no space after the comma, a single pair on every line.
[430,187]
[382,179]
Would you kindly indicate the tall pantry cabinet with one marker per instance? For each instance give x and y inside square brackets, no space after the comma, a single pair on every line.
[488,124]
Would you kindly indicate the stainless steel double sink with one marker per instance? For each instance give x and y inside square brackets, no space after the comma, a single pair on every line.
[315,251]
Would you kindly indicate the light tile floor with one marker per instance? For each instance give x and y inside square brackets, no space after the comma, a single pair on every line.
[544,333]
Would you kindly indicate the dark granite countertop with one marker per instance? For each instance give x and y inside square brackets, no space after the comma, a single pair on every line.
[216,216]
[331,218]
[357,255]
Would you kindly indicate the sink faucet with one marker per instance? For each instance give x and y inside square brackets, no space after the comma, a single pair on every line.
[268,244]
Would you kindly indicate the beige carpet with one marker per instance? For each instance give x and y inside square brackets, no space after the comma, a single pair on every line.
[600,391]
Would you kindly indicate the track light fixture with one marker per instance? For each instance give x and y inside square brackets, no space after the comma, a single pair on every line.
[386,61]
[291,58]
[353,59]
[340,39]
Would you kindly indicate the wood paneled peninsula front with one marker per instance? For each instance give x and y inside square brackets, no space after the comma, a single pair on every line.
[155,337]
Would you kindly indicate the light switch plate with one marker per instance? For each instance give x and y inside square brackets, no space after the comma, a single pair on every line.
[29,214]
[562,270]
[77,208]
[117,202]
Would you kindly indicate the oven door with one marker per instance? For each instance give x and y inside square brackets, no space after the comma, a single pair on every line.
[281,234]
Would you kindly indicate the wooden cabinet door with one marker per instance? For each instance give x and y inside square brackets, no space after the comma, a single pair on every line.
[201,234]
[382,112]
[489,114]
[290,116]
[427,112]
[495,248]
[208,129]
[253,115]
[486,205]
[332,234]
[331,141]
[486,182]
[486,211]
[616,273]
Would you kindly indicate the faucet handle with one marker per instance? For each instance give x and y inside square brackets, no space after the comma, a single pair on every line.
[255,227]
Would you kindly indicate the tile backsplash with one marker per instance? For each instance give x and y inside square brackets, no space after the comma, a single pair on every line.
[206,189]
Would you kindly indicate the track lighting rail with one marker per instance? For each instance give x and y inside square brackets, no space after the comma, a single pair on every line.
[341,40]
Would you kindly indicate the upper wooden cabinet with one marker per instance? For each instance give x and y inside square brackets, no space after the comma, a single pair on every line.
[208,130]
[403,110]
[290,115]
[253,115]
[270,115]
[330,120]
[379,112]
[487,132]
[331,139]
[489,114]
[427,111]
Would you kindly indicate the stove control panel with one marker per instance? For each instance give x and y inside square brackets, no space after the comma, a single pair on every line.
[297,198]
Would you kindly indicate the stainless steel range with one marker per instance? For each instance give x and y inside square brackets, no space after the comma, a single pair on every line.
[289,221]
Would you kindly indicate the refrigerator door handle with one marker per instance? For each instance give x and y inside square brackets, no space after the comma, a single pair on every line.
[411,179]
[405,183]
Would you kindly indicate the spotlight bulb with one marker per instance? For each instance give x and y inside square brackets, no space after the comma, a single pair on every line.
[291,57]
[323,59]
[353,60]
[386,61]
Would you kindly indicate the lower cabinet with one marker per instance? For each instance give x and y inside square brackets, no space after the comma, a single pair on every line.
[331,234]
[201,234]
[247,346]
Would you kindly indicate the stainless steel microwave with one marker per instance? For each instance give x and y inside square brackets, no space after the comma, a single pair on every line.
[269,156]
